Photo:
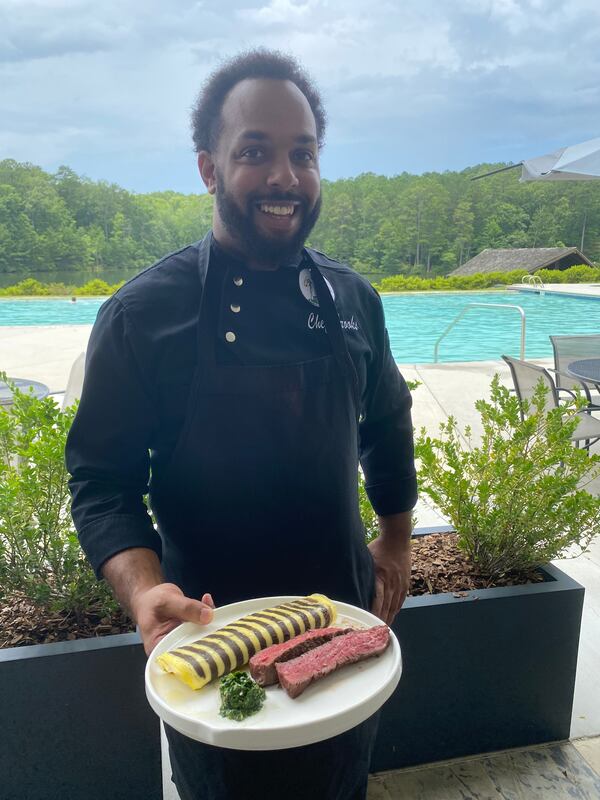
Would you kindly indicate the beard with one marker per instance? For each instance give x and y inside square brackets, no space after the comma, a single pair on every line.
[251,242]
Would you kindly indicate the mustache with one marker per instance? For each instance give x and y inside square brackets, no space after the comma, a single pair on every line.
[285,197]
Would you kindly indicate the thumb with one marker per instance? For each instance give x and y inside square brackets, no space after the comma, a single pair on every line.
[208,601]
[188,610]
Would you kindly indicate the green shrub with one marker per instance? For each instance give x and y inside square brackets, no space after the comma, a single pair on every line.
[518,499]
[27,288]
[553,276]
[40,555]
[582,273]
[413,283]
[95,287]
[33,288]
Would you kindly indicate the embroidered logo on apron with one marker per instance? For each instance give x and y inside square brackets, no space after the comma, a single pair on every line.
[308,289]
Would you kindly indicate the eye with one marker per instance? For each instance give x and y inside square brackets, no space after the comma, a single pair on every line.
[252,153]
[305,156]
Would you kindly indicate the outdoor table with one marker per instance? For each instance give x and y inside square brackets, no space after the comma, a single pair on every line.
[586,370]
[39,390]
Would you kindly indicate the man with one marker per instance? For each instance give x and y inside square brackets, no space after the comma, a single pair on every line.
[248,374]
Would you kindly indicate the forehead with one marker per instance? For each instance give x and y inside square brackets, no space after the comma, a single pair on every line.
[274,107]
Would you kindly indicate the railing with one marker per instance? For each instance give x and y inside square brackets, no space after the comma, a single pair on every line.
[482,305]
[533,280]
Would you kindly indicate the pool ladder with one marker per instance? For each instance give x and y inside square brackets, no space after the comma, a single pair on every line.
[533,280]
[468,307]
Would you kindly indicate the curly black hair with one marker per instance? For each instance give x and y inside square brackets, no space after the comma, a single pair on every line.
[259,63]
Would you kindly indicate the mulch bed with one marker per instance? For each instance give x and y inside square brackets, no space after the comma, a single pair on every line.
[437,566]
[23,623]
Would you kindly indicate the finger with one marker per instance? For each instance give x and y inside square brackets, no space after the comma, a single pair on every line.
[208,601]
[378,599]
[395,607]
[188,610]
[386,605]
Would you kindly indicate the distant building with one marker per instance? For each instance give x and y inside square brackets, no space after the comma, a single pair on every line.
[528,259]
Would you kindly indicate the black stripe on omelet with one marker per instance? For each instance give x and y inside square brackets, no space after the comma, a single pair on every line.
[276,624]
[320,613]
[194,662]
[233,630]
[267,625]
[206,655]
[296,624]
[283,620]
[256,631]
[304,615]
[217,640]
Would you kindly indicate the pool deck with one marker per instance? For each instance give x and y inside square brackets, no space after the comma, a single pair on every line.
[566,770]
[591,291]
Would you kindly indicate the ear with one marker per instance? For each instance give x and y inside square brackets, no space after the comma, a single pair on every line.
[206,167]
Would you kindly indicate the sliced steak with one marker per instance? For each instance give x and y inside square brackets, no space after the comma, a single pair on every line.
[262,665]
[355,646]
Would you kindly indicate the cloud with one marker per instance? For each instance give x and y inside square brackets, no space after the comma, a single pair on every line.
[107,87]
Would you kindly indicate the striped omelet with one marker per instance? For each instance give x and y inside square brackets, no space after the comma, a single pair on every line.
[229,648]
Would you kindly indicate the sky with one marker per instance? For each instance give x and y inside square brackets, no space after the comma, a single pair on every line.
[409,85]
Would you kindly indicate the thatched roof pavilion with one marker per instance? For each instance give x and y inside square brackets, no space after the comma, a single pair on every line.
[528,259]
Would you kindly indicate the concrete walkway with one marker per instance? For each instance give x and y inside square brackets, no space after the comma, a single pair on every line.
[590,290]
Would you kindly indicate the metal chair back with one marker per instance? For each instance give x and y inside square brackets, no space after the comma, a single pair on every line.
[526,377]
[572,348]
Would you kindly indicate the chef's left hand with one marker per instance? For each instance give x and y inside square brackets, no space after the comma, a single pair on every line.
[392,559]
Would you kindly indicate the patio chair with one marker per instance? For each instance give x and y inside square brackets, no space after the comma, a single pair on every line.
[74,382]
[526,377]
[572,348]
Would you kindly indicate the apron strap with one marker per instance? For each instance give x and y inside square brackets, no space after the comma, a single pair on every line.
[335,333]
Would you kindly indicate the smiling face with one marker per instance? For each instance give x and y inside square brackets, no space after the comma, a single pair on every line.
[264,172]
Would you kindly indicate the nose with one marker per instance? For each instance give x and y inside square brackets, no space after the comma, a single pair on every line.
[282,174]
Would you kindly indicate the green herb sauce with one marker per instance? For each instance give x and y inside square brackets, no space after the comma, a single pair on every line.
[240,696]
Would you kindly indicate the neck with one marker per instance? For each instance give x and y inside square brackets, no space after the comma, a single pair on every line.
[228,246]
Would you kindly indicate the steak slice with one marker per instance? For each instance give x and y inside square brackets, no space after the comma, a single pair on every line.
[355,646]
[262,665]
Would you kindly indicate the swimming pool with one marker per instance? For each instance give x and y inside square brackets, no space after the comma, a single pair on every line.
[49,311]
[414,322]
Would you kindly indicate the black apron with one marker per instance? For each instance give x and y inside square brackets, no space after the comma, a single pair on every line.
[260,498]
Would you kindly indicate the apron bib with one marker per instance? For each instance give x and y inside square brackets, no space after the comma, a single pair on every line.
[260,497]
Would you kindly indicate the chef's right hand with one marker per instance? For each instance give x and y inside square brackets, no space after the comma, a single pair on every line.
[162,608]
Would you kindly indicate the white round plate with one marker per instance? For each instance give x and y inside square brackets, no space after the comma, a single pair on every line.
[326,708]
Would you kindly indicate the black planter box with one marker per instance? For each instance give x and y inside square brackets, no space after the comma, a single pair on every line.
[75,723]
[489,671]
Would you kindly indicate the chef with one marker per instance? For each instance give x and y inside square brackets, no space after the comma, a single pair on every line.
[240,381]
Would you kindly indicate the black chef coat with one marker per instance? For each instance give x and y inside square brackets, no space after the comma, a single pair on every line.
[139,367]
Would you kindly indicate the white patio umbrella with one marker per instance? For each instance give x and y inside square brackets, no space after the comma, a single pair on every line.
[579,162]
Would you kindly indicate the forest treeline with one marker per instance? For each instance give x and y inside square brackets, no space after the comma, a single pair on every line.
[415,225]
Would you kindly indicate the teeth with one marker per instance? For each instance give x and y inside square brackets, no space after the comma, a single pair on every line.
[280,211]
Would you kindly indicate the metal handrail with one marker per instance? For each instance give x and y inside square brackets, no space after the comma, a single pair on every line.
[482,305]
[533,280]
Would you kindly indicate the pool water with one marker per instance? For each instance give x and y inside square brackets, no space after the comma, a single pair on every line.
[51,311]
[414,322]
